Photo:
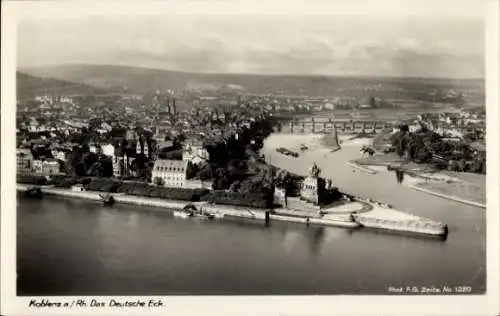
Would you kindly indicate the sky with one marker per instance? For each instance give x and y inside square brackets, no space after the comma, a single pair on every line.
[410,45]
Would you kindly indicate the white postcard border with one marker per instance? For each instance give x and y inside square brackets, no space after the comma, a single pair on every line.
[265,305]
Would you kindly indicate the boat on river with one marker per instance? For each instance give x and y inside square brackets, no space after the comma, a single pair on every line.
[191,210]
[182,214]
[33,192]
[107,199]
[187,211]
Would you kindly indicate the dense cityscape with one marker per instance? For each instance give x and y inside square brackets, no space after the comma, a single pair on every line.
[216,147]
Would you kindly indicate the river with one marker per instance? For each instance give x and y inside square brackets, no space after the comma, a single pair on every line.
[73,247]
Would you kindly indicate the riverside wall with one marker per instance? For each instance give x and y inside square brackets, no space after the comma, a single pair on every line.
[372,220]
[448,197]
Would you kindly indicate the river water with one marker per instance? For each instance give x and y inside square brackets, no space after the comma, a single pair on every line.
[73,247]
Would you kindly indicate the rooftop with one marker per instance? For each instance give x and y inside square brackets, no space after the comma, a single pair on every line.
[170,165]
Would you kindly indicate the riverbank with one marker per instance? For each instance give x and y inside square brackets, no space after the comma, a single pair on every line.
[391,219]
[446,195]
[465,188]
[219,210]
[362,168]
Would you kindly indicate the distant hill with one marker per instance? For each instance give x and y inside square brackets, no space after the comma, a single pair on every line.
[141,80]
[29,86]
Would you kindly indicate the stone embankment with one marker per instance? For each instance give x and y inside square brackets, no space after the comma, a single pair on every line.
[349,215]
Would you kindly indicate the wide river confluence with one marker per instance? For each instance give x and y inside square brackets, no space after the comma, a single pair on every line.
[76,247]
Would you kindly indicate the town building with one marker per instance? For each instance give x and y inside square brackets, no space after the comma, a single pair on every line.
[172,172]
[45,99]
[194,152]
[51,167]
[78,188]
[141,147]
[279,197]
[95,148]
[108,150]
[37,166]
[121,165]
[60,154]
[24,161]
[45,167]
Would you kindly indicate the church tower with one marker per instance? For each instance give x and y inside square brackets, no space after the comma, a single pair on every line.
[125,165]
[138,149]
[169,109]
[145,148]
[174,107]
[117,166]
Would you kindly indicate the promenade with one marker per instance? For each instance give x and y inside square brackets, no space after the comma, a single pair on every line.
[347,215]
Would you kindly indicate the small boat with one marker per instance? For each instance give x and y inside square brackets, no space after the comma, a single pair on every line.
[33,192]
[187,211]
[183,214]
[303,147]
[107,199]
[208,215]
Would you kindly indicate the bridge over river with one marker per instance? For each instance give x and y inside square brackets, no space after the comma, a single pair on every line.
[328,125]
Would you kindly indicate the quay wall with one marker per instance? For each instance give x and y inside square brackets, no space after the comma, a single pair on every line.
[449,197]
[411,226]
[415,226]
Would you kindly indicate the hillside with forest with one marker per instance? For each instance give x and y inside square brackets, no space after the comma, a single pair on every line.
[29,86]
[141,80]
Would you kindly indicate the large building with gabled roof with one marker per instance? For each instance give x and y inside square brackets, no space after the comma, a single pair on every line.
[172,172]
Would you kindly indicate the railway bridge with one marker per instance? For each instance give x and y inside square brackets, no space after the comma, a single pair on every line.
[329,125]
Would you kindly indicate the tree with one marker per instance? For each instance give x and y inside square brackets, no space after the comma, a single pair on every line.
[192,170]
[235,186]
[178,139]
[206,172]
[221,180]
[282,178]
[95,170]
[404,128]
[422,155]
[158,181]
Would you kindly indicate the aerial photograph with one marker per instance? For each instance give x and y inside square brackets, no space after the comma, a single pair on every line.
[251,154]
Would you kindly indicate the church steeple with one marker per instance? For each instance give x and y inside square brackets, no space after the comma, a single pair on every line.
[145,148]
[138,149]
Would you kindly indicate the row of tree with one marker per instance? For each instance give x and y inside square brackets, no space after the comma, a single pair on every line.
[261,200]
[425,146]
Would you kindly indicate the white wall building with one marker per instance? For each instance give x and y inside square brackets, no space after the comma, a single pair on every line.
[24,161]
[51,167]
[172,172]
[59,154]
[108,150]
